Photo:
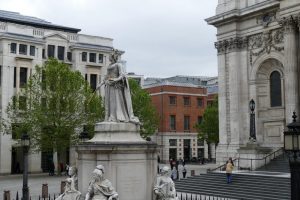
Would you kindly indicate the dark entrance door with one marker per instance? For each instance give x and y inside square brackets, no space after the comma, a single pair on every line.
[16,160]
[173,153]
[46,160]
[187,149]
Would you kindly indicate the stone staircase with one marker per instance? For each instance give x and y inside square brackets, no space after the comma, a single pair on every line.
[243,186]
[266,183]
[279,164]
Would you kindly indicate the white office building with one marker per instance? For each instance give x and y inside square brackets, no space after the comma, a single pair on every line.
[28,41]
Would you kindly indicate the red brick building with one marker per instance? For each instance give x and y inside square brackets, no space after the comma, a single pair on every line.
[180,106]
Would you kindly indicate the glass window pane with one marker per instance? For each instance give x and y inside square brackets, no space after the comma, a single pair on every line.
[23,76]
[13,48]
[51,49]
[84,56]
[93,57]
[93,81]
[60,53]
[32,50]
[100,60]
[275,89]
[23,49]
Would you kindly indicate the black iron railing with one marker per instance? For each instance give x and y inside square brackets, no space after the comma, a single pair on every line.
[237,161]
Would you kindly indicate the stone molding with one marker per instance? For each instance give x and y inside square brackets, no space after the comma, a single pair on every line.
[289,23]
[231,44]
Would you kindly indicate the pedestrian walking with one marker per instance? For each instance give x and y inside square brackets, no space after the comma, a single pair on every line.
[180,171]
[229,168]
[174,173]
[184,171]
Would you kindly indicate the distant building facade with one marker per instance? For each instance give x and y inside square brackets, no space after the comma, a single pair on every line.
[180,104]
[258,58]
[28,41]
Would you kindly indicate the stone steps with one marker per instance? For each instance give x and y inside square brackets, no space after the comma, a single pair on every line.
[246,187]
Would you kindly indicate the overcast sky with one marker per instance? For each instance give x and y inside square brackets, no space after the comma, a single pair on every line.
[161,38]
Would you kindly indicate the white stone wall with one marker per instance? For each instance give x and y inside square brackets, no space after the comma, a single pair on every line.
[251,45]
[40,38]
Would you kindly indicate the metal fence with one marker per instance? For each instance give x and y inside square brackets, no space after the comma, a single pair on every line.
[40,197]
[188,196]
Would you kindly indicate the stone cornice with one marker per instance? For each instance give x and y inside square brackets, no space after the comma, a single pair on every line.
[231,44]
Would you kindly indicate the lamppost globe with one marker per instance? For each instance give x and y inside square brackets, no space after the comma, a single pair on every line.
[252,105]
[25,140]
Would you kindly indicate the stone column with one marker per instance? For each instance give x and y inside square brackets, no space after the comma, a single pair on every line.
[290,68]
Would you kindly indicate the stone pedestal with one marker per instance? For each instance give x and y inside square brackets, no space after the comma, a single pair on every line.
[251,156]
[130,162]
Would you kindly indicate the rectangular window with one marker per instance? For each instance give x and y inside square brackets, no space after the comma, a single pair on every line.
[23,49]
[22,103]
[93,81]
[43,53]
[186,101]
[13,48]
[85,77]
[200,119]
[186,123]
[84,56]
[32,50]
[92,57]
[51,49]
[172,122]
[200,102]
[100,58]
[200,142]
[172,100]
[173,142]
[23,76]
[60,53]
[69,56]
[15,77]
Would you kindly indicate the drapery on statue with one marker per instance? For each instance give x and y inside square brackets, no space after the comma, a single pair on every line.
[100,188]
[164,188]
[118,105]
[70,192]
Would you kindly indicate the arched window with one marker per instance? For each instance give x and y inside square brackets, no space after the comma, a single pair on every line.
[275,89]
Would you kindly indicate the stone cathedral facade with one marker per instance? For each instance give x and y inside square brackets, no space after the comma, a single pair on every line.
[258,58]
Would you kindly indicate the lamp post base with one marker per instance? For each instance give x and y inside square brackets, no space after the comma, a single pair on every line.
[295,179]
[25,191]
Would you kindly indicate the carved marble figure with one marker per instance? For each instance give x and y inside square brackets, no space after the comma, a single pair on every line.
[73,175]
[118,105]
[100,188]
[70,192]
[164,188]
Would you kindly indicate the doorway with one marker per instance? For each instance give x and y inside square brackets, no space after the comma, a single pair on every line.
[187,149]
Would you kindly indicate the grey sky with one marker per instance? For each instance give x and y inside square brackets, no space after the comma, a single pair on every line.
[161,38]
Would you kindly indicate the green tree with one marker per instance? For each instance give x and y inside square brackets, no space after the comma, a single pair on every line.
[143,109]
[208,129]
[53,107]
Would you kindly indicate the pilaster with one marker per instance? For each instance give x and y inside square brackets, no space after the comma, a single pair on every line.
[290,67]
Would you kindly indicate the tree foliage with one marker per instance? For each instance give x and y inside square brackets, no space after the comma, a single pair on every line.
[208,129]
[143,109]
[53,107]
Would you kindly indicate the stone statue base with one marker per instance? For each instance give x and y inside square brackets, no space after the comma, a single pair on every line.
[252,151]
[130,161]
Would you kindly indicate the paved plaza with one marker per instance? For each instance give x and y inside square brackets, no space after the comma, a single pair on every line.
[14,183]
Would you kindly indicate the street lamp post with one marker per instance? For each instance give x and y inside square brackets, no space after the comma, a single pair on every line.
[252,121]
[25,142]
[292,145]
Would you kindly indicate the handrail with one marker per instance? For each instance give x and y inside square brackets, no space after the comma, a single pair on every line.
[251,159]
